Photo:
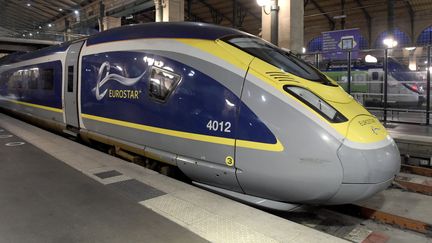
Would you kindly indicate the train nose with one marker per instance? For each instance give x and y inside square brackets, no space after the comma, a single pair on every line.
[367,167]
[366,164]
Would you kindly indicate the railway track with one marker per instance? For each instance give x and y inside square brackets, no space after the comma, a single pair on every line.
[399,214]
[384,218]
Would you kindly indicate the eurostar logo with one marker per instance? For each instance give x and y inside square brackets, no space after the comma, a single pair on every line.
[104,76]
[375,130]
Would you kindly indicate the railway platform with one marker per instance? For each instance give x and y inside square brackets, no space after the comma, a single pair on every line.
[414,142]
[410,132]
[56,190]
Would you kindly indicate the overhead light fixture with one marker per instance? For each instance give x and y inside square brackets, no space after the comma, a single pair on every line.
[76,12]
[28,4]
[410,48]
[339,17]
[303,49]
[412,67]
[60,9]
[390,42]
[40,27]
[30,34]
[49,25]
[370,59]
[263,3]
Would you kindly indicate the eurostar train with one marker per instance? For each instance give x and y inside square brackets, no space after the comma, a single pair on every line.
[236,114]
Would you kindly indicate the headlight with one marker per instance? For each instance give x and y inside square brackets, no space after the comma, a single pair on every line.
[316,103]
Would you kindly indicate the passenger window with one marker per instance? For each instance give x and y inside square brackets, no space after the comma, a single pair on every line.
[375,75]
[34,78]
[162,83]
[70,78]
[47,76]
[12,78]
[25,80]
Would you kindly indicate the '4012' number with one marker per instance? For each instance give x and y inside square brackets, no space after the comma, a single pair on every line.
[219,126]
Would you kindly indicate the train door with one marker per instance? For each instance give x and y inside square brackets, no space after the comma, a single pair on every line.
[71,85]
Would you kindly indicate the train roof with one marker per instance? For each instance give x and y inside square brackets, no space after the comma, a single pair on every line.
[22,56]
[189,30]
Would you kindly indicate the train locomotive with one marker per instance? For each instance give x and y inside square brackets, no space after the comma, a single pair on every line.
[236,114]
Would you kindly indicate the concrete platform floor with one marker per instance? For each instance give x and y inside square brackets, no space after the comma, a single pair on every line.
[44,200]
[408,132]
[419,130]
[402,203]
[78,194]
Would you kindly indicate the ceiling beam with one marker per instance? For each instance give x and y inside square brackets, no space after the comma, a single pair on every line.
[28,15]
[68,2]
[16,21]
[412,15]
[40,9]
[68,11]
[54,4]
[215,11]
[22,7]
[320,9]
[368,20]
[44,8]
[51,6]
[247,10]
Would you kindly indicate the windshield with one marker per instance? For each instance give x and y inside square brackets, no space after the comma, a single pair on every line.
[284,60]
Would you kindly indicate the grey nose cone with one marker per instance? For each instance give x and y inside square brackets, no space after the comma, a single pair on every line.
[367,169]
[368,164]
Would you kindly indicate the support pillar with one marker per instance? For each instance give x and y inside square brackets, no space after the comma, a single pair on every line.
[390,17]
[173,10]
[158,10]
[109,22]
[67,30]
[290,24]
[101,15]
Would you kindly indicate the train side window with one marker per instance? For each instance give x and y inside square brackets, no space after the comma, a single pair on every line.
[25,79]
[15,79]
[162,83]
[70,79]
[375,76]
[47,76]
[34,78]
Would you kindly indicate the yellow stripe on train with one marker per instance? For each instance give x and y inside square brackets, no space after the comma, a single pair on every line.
[277,147]
[48,108]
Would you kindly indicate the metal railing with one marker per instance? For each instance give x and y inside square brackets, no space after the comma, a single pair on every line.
[393,84]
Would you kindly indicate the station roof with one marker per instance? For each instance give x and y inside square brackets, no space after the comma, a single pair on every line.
[31,15]
[22,14]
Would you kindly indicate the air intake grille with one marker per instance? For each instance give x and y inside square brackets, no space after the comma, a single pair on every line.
[281,77]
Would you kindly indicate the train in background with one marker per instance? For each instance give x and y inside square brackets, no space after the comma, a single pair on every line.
[234,113]
[406,88]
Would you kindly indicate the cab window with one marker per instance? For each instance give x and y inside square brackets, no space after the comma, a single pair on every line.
[162,83]
[284,60]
